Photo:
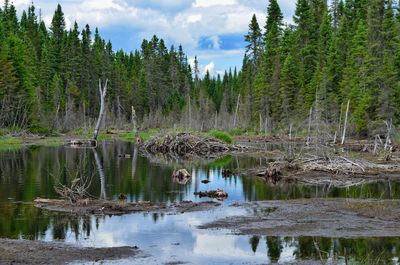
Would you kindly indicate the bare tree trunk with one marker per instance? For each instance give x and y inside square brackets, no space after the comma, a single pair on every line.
[261,127]
[345,122]
[290,131]
[236,112]
[309,127]
[389,132]
[190,114]
[84,118]
[216,120]
[103,92]
[119,113]
[340,125]
[134,122]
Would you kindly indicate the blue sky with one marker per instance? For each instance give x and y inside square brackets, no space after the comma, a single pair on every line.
[211,29]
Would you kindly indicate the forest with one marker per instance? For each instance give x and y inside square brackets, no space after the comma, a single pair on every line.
[334,55]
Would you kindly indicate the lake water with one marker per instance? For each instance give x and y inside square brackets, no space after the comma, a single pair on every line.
[33,171]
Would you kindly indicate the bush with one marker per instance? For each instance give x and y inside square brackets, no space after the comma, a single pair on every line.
[220,135]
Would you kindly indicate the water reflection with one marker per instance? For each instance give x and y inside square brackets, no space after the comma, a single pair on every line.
[32,172]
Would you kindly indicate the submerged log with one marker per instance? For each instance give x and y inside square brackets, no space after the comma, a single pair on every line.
[82,143]
[217,194]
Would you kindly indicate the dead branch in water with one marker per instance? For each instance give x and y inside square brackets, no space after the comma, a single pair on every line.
[77,189]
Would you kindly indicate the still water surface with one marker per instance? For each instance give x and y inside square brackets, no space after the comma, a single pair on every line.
[32,172]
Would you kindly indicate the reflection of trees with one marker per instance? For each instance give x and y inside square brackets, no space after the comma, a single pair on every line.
[254,241]
[102,176]
[275,247]
[134,160]
[258,189]
[361,251]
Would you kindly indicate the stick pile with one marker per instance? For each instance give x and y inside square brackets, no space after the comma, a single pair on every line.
[187,144]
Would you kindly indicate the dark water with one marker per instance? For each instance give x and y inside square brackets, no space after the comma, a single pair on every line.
[32,172]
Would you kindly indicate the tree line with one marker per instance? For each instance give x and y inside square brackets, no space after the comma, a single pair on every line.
[49,78]
[348,51]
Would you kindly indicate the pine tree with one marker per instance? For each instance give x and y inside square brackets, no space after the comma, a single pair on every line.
[254,42]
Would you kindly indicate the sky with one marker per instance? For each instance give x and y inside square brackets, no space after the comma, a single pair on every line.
[211,29]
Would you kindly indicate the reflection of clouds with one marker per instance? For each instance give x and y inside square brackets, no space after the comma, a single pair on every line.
[288,252]
[225,246]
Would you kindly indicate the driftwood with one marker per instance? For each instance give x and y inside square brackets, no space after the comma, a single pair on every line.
[181,176]
[217,194]
[184,144]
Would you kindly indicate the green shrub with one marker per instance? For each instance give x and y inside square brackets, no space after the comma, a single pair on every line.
[220,135]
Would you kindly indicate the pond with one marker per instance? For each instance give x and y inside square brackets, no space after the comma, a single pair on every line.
[34,171]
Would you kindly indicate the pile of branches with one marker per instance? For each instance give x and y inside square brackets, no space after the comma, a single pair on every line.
[184,144]
[346,166]
[77,189]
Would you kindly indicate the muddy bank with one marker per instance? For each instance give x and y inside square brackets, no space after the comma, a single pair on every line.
[348,218]
[36,252]
[100,207]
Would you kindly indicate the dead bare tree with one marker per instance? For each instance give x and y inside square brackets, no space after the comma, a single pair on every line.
[345,122]
[236,112]
[134,121]
[103,92]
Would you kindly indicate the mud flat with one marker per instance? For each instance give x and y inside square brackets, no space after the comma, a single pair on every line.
[99,207]
[346,218]
[36,252]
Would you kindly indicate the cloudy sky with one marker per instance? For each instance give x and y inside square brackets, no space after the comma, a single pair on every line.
[211,29]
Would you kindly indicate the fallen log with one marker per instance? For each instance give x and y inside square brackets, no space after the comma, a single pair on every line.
[216,194]
[85,143]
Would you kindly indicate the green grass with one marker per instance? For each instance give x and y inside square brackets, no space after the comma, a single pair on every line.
[145,135]
[10,141]
[54,140]
[221,162]
[397,138]
[220,135]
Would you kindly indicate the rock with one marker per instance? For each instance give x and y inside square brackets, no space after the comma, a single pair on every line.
[205,181]
[181,176]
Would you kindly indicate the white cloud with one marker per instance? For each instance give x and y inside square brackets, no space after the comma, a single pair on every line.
[208,3]
[194,18]
[183,22]
[210,68]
